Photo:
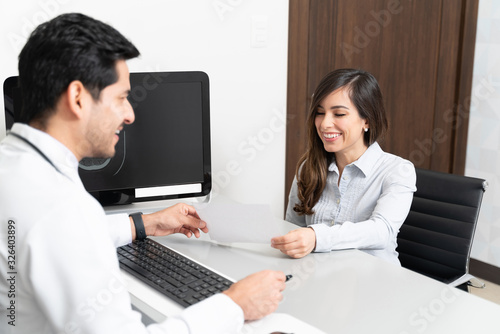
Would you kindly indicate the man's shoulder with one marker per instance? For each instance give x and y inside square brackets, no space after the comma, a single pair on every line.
[28,186]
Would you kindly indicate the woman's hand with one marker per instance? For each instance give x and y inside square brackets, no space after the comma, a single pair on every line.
[297,243]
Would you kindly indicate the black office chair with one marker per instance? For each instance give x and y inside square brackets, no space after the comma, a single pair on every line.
[436,238]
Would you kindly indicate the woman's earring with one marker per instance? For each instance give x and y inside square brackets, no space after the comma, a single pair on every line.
[366,129]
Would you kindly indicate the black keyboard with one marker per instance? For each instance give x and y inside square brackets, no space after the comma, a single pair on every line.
[177,277]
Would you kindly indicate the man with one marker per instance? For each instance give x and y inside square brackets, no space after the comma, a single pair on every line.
[58,250]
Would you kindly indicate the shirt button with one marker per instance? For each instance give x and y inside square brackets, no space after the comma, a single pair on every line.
[338,200]
[332,223]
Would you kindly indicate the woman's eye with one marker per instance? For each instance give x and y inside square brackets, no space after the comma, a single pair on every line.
[339,115]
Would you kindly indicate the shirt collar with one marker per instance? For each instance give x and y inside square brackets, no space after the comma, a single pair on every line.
[55,151]
[365,162]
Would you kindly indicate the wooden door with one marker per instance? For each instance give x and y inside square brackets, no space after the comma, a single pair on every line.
[421,52]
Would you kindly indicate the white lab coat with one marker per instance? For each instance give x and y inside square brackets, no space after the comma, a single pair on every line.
[65,277]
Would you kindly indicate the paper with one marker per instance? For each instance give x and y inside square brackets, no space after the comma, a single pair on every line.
[229,221]
[279,323]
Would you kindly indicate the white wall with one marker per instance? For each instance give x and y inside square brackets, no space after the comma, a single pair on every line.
[241,45]
[248,85]
[483,147]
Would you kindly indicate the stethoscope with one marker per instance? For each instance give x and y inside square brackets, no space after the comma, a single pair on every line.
[36,149]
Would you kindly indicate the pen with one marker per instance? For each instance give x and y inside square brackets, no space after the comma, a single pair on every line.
[288,278]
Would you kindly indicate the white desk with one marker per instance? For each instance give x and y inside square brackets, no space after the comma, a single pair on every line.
[339,292]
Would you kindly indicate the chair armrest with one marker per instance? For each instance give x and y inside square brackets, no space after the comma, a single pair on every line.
[466,278]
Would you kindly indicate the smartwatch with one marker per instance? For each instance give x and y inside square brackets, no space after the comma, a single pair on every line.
[140,231]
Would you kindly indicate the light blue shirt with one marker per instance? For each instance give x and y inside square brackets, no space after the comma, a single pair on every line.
[366,209]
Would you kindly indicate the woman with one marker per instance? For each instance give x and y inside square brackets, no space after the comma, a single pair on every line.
[347,192]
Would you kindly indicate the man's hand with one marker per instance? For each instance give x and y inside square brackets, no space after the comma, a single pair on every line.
[297,243]
[179,218]
[258,294]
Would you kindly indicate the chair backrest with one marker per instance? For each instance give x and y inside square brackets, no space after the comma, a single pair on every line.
[436,238]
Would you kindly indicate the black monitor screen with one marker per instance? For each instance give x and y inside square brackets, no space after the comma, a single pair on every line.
[164,154]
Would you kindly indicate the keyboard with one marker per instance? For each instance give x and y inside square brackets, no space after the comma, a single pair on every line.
[181,279]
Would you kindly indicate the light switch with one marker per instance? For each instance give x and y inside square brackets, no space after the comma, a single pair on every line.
[259,31]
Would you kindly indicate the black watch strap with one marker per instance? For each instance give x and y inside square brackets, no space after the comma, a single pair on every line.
[140,231]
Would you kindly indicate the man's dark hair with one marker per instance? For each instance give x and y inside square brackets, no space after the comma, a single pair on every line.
[67,48]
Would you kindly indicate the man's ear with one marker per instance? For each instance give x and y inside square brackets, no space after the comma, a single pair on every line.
[77,98]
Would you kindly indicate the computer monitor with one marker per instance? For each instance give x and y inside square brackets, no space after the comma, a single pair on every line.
[164,154]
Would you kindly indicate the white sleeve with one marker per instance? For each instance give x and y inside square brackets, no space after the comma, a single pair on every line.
[215,315]
[75,279]
[119,229]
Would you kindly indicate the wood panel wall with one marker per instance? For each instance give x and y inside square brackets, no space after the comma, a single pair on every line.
[421,52]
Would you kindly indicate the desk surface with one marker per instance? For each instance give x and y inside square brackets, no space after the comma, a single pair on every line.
[345,291]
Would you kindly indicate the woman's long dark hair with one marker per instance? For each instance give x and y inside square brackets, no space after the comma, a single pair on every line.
[312,167]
